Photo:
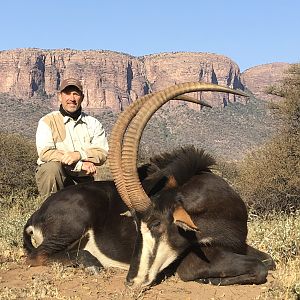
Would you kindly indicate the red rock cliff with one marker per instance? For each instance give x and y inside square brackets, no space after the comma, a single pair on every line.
[112,79]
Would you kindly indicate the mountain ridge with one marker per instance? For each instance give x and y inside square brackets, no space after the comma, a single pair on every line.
[113,79]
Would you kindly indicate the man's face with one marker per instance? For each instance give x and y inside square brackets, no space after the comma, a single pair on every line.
[70,98]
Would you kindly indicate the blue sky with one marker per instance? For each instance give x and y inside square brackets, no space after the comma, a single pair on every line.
[249,32]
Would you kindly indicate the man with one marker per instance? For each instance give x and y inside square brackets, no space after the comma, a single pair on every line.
[71,145]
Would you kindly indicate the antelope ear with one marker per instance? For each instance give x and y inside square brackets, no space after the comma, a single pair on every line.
[157,182]
[171,183]
[183,220]
[154,183]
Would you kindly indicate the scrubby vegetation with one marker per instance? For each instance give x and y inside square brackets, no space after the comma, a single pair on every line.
[18,163]
[269,179]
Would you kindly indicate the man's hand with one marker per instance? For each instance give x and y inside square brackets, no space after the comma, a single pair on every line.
[70,158]
[88,167]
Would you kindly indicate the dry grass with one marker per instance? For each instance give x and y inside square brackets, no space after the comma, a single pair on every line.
[38,288]
[278,234]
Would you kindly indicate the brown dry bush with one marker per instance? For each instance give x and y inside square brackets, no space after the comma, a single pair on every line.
[18,162]
[269,178]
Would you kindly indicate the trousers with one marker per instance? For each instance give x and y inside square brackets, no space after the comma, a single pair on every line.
[53,176]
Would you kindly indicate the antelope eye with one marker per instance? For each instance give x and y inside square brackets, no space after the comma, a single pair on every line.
[154,224]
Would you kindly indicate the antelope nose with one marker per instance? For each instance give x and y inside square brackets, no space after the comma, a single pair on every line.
[129,282]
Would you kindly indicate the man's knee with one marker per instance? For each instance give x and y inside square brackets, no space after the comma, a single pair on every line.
[50,169]
[50,177]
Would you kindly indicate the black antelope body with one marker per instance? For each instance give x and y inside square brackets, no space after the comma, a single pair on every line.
[182,214]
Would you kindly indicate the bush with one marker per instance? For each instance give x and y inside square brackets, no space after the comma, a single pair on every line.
[269,179]
[18,162]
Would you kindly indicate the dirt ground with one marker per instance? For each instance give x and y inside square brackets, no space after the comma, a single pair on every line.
[18,281]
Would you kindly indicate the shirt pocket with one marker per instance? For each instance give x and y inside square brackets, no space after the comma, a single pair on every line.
[88,140]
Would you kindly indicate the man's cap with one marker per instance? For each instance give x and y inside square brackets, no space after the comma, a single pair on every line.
[71,81]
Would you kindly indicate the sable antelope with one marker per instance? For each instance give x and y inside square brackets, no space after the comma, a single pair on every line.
[182,212]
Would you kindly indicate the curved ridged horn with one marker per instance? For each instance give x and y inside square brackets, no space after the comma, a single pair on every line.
[138,198]
[115,146]
[116,139]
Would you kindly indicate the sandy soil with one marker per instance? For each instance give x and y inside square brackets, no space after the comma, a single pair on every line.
[18,281]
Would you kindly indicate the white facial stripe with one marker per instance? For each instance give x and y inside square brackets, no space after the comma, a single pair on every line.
[105,261]
[148,240]
[36,235]
[147,249]
[164,256]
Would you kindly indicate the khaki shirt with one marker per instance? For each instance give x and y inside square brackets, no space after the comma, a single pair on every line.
[57,134]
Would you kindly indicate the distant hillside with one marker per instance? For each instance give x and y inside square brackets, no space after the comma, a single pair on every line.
[228,132]
[111,79]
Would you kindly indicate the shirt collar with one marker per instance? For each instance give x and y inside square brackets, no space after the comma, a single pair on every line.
[80,119]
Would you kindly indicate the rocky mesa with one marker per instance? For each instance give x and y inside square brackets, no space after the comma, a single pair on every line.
[111,79]
[114,80]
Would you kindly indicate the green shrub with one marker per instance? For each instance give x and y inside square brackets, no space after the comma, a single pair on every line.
[18,162]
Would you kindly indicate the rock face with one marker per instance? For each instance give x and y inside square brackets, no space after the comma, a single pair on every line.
[112,79]
[258,78]
[108,78]
[166,69]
